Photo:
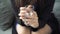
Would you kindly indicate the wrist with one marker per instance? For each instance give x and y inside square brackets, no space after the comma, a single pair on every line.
[34,24]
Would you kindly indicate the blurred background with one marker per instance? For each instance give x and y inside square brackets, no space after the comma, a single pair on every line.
[56,11]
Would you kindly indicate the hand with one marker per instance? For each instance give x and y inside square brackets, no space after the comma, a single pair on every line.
[29,20]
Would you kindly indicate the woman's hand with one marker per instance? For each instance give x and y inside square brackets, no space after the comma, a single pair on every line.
[29,16]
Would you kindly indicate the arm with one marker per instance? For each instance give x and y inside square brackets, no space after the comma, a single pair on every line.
[47,9]
[45,13]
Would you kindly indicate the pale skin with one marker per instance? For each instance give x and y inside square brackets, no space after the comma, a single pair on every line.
[31,21]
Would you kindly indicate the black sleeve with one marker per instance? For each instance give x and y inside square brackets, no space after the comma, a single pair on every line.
[45,13]
[47,9]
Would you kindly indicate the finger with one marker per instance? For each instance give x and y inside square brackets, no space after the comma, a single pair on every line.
[30,7]
[22,8]
[30,21]
[21,17]
[34,15]
[27,20]
[28,17]
[22,13]
[25,15]
[24,18]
